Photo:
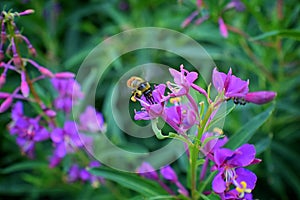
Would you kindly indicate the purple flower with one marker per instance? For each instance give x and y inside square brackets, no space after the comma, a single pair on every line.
[67,140]
[169,174]
[181,117]
[147,171]
[28,130]
[91,120]
[237,89]
[73,173]
[212,141]
[230,84]
[184,80]
[230,170]
[68,90]
[76,173]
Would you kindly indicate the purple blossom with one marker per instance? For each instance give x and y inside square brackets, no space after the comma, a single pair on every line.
[212,141]
[76,173]
[91,121]
[28,130]
[230,84]
[68,91]
[230,170]
[184,80]
[67,140]
[237,89]
[180,116]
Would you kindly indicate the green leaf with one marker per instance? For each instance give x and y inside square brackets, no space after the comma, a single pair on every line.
[131,181]
[212,196]
[23,166]
[293,34]
[248,130]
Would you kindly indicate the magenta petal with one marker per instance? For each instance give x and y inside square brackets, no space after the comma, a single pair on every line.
[141,115]
[218,79]
[57,135]
[41,135]
[191,77]
[243,156]
[218,184]
[61,150]
[247,176]
[221,155]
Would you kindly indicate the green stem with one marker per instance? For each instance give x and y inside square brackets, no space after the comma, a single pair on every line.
[194,151]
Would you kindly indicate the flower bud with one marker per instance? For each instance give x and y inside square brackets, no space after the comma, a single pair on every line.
[2,80]
[260,97]
[17,60]
[32,51]
[168,173]
[6,104]
[46,72]
[26,12]
[223,28]
[25,89]
[64,75]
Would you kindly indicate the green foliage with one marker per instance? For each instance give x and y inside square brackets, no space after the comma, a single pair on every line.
[262,46]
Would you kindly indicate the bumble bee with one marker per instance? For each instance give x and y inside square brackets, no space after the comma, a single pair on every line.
[140,87]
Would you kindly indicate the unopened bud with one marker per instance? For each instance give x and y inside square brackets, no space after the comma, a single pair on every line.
[6,104]
[50,113]
[260,97]
[4,95]
[46,72]
[25,89]
[32,51]
[26,12]
[2,80]
[17,60]
[64,75]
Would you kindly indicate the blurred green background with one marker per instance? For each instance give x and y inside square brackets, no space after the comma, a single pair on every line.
[263,46]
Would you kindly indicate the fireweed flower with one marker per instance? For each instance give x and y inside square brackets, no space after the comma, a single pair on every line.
[230,166]
[180,116]
[28,130]
[237,89]
[169,174]
[76,173]
[69,91]
[67,140]
[91,121]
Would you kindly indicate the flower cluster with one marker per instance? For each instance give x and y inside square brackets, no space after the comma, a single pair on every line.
[52,121]
[232,181]
[203,13]
[76,173]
